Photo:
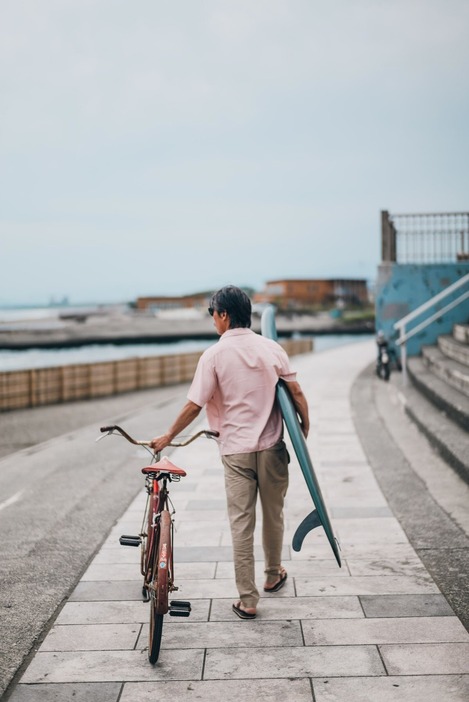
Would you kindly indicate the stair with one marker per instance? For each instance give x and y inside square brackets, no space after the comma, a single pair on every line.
[441,406]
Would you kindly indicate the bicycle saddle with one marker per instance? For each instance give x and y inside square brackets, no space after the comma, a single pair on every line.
[164,466]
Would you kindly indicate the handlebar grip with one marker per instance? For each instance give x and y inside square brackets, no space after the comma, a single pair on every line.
[103,429]
[212,433]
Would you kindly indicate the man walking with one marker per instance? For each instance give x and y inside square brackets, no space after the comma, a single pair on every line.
[235,381]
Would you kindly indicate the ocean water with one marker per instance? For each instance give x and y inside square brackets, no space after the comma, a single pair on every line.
[94,353]
[49,318]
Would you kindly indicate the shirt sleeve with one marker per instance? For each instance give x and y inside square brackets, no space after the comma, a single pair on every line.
[204,382]
[284,370]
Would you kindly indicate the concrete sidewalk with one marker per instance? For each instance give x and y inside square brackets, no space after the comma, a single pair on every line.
[377,629]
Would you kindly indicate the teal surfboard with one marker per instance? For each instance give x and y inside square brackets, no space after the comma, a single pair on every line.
[319,516]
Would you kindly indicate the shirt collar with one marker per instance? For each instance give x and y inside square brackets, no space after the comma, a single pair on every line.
[238,331]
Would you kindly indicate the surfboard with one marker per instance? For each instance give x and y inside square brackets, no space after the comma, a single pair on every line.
[319,516]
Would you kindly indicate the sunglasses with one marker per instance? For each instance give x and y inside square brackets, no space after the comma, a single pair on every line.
[211,310]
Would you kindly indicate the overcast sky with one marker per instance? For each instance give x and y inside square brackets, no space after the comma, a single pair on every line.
[164,147]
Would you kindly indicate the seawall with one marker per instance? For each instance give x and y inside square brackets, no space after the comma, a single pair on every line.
[45,386]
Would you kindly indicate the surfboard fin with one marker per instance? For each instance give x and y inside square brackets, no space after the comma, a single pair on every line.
[308,524]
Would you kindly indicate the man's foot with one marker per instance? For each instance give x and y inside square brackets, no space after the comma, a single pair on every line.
[275,587]
[244,612]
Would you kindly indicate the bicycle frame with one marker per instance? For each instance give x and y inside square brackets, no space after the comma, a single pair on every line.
[157,502]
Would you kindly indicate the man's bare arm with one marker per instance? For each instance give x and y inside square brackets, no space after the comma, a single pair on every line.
[301,404]
[189,412]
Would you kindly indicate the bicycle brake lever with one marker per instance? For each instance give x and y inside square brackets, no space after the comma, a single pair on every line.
[102,436]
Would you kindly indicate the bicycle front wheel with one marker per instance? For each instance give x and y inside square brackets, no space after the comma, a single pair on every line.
[160,586]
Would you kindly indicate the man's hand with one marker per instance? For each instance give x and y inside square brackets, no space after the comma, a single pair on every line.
[188,413]
[304,428]
[160,442]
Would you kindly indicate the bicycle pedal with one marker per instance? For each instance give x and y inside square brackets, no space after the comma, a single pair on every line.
[179,608]
[130,540]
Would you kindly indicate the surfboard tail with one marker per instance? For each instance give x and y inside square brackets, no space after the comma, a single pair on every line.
[308,524]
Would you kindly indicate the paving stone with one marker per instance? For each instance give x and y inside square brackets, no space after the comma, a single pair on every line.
[63,692]
[111,666]
[119,612]
[112,571]
[369,585]
[118,571]
[386,566]
[426,659]
[381,511]
[117,555]
[206,589]
[288,608]
[345,464]
[207,505]
[217,690]
[292,662]
[313,568]
[405,606]
[373,551]
[194,554]
[333,632]
[211,517]
[364,530]
[92,637]
[318,551]
[193,589]
[187,634]
[199,535]
[92,591]
[447,688]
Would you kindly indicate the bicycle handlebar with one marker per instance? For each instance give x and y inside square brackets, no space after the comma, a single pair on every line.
[204,432]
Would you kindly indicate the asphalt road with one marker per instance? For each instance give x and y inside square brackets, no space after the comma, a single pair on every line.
[60,494]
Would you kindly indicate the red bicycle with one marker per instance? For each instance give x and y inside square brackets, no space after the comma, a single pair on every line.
[156,538]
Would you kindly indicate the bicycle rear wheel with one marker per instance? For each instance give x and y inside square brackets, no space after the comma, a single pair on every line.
[160,586]
[156,632]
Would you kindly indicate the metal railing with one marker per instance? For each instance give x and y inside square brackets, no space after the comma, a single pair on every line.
[425,238]
[403,323]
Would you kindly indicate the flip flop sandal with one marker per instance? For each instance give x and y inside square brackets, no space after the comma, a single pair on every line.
[278,586]
[241,613]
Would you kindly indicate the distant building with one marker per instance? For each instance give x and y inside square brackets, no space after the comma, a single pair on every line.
[197,300]
[298,294]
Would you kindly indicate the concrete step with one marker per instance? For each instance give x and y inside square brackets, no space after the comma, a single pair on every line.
[452,372]
[447,399]
[461,333]
[448,438]
[457,350]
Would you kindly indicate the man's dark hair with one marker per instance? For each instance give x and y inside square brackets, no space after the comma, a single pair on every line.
[235,303]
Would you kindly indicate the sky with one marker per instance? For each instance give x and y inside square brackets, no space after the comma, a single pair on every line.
[154,147]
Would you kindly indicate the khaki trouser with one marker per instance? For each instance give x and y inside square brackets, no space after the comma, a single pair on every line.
[246,474]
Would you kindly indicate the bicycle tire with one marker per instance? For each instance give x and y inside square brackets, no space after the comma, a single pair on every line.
[146,555]
[159,587]
[156,632]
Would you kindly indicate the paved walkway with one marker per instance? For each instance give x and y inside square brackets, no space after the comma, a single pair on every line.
[377,629]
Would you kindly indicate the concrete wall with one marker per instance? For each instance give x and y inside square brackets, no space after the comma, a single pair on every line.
[401,288]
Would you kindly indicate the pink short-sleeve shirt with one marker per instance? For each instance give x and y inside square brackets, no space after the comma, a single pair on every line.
[235,380]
